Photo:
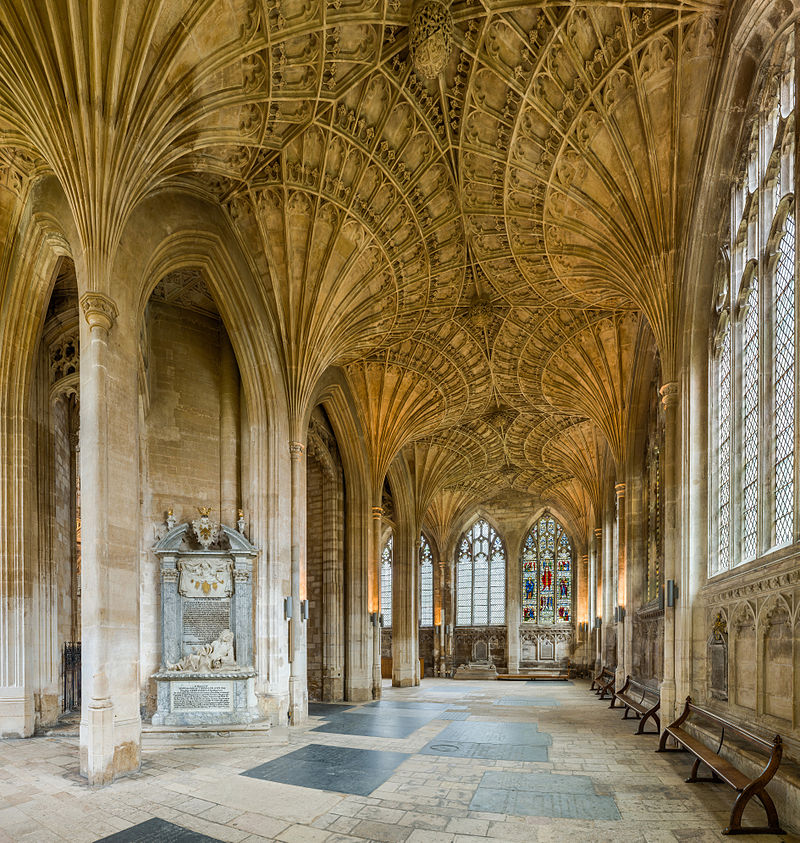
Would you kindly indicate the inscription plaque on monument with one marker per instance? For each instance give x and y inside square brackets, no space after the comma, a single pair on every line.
[202,696]
[204,618]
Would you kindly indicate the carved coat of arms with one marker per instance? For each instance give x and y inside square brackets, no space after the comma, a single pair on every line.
[204,528]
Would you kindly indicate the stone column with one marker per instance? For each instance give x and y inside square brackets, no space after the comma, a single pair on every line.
[598,597]
[110,732]
[581,652]
[670,397]
[513,610]
[608,585]
[298,690]
[620,598]
[405,625]
[332,590]
[375,598]
[229,494]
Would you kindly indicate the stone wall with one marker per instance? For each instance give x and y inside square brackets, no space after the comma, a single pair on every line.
[314,577]
[180,446]
[747,647]
[465,637]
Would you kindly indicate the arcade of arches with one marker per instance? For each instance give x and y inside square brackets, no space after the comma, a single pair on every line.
[478,319]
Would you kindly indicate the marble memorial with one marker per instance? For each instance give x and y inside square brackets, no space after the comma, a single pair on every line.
[207,672]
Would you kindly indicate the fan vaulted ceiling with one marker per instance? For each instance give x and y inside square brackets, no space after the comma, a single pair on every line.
[480,231]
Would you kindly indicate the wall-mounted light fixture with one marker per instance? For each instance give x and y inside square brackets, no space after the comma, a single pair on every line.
[672,593]
[598,622]
[304,610]
[619,614]
[287,608]
[380,619]
[373,618]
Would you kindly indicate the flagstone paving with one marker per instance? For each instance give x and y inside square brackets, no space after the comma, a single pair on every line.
[518,768]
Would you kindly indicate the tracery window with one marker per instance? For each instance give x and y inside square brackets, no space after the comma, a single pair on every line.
[547,573]
[425,583]
[754,418]
[387,561]
[784,380]
[481,577]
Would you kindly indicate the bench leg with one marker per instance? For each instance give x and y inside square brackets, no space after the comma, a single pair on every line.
[735,823]
[641,731]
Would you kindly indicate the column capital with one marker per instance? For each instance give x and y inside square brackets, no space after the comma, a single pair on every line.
[670,394]
[100,311]
[296,450]
[619,490]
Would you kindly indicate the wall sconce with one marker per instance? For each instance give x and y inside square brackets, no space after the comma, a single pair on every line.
[380,619]
[598,622]
[437,629]
[672,593]
[373,618]
[287,608]
[619,614]
[304,610]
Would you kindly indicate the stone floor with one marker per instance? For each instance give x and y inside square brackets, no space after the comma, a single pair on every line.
[448,761]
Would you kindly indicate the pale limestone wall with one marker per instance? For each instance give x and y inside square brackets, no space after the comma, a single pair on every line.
[180,446]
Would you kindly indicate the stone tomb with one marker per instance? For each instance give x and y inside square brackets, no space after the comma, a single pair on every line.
[206,675]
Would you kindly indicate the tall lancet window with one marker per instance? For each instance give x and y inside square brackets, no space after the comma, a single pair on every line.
[481,577]
[753,469]
[724,451]
[425,583]
[784,384]
[387,559]
[751,381]
[547,573]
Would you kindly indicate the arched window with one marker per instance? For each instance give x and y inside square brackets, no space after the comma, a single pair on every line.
[387,559]
[425,583]
[754,420]
[547,573]
[784,378]
[724,451]
[750,387]
[481,577]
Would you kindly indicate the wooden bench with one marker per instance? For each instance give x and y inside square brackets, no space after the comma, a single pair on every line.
[724,771]
[643,700]
[603,683]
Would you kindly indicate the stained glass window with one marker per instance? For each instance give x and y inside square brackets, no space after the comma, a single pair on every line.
[724,450]
[481,577]
[750,425]
[547,573]
[387,558]
[784,385]
[425,583]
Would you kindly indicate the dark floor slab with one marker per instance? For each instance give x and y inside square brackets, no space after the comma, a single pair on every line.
[539,702]
[486,751]
[401,705]
[336,768]
[376,726]
[543,795]
[453,715]
[512,734]
[321,709]
[157,831]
